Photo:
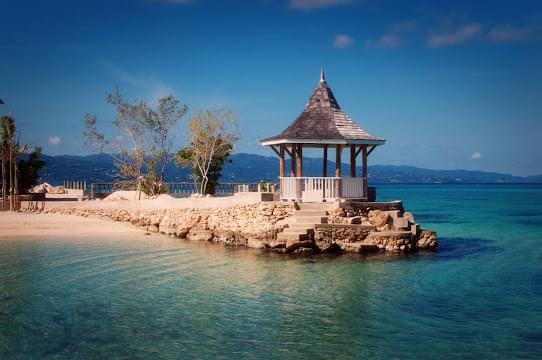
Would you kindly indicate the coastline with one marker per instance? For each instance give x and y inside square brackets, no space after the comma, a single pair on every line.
[25,226]
[238,221]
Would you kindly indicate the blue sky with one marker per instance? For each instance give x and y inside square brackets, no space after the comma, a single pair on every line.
[448,84]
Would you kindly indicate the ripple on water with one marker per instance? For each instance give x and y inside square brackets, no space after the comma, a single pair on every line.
[478,296]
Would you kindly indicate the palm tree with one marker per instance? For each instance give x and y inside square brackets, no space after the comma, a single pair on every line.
[8,156]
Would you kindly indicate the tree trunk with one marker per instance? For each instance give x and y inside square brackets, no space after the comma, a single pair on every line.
[4,188]
[10,178]
[15,185]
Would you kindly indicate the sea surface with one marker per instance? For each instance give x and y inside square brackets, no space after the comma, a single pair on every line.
[152,297]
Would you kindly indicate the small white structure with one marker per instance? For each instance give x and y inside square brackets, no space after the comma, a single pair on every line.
[323,124]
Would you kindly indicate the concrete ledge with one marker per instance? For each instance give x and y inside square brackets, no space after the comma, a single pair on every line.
[345,226]
[378,205]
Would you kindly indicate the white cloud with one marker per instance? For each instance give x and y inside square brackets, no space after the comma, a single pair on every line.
[386,41]
[403,26]
[464,33]
[476,156]
[317,4]
[54,140]
[392,38]
[342,41]
[153,86]
[507,33]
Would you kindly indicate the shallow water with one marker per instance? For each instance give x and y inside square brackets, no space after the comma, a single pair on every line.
[479,296]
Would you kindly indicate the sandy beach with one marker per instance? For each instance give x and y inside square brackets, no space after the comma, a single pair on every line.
[23,225]
[127,200]
[20,226]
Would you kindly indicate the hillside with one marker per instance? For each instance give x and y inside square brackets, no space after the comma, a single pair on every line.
[253,168]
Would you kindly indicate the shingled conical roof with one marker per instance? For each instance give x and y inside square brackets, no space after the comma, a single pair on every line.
[323,121]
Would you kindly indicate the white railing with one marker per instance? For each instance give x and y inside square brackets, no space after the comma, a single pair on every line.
[353,187]
[322,188]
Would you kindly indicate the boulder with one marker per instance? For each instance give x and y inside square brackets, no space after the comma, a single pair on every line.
[339,212]
[427,240]
[199,235]
[291,245]
[359,248]
[303,251]
[378,218]
[182,231]
[276,244]
[327,246]
[356,220]
[255,244]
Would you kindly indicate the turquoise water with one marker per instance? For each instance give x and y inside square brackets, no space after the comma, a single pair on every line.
[479,296]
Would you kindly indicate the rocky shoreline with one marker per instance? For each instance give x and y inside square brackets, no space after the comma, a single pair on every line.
[347,228]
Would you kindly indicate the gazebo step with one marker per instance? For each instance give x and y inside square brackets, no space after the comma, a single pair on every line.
[299,227]
[310,219]
[312,206]
[309,212]
[285,236]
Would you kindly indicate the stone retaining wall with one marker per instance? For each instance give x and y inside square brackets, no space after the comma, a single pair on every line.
[350,228]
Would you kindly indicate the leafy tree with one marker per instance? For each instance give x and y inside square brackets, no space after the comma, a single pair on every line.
[9,160]
[143,141]
[211,135]
[29,170]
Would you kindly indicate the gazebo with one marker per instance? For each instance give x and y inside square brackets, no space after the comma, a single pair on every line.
[323,124]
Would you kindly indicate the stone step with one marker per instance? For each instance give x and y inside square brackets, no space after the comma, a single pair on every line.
[310,219]
[300,230]
[401,224]
[395,214]
[312,206]
[299,226]
[284,236]
[309,212]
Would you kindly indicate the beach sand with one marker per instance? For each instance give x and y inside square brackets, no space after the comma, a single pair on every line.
[127,200]
[23,225]
[20,226]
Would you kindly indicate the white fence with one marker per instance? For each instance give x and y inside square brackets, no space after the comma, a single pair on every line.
[322,188]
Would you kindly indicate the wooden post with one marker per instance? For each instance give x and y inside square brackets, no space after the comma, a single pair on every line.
[352,160]
[324,172]
[324,165]
[292,161]
[93,195]
[281,161]
[338,170]
[299,171]
[338,152]
[364,170]
[364,161]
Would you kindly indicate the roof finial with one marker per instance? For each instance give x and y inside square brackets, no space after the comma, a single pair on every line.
[322,75]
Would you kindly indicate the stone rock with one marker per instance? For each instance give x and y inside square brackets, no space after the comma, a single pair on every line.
[378,218]
[291,245]
[153,229]
[182,231]
[354,220]
[427,240]
[303,251]
[339,212]
[327,246]
[255,244]
[199,235]
[277,244]
[359,248]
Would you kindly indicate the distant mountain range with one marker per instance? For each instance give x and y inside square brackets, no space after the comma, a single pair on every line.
[253,168]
